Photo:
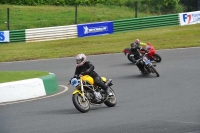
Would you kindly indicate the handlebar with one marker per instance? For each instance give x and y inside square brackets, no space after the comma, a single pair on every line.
[140,58]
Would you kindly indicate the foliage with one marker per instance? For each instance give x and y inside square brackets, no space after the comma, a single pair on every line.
[190,5]
[163,6]
[159,6]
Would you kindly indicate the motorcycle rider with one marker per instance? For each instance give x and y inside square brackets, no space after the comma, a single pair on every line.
[137,41]
[85,67]
[137,51]
[142,44]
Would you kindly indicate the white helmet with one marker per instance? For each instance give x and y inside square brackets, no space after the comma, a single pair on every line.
[80,59]
[137,41]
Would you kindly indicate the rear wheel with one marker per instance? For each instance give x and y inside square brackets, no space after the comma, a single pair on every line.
[80,104]
[157,58]
[154,71]
[112,100]
[131,58]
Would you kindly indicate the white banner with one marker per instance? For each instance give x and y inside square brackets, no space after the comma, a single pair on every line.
[189,18]
[4,36]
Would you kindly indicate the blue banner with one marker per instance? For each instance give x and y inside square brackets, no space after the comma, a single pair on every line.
[94,29]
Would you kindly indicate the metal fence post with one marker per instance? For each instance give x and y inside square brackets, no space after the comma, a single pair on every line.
[76,13]
[136,8]
[8,18]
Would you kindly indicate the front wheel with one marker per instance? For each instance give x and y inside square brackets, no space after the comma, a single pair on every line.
[111,101]
[157,58]
[80,104]
[154,71]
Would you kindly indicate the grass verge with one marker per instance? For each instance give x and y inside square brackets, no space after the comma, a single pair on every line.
[26,17]
[9,76]
[161,38]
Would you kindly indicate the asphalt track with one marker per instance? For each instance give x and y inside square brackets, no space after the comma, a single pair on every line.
[146,104]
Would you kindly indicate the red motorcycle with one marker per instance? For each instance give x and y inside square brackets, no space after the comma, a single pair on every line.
[152,55]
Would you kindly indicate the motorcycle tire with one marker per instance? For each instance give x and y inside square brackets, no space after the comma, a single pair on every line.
[145,71]
[80,105]
[157,58]
[111,101]
[154,71]
[131,59]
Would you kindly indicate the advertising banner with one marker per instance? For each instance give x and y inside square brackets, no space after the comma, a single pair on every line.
[189,18]
[94,29]
[4,36]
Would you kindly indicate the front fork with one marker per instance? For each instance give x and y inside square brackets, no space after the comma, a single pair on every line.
[149,67]
[80,92]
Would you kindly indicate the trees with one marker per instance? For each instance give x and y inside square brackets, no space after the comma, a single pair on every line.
[157,6]
[190,5]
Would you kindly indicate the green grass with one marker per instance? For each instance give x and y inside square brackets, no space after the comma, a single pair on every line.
[26,17]
[9,76]
[161,38]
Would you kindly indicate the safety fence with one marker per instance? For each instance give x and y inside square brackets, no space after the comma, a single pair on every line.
[146,22]
[98,28]
[51,33]
[17,36]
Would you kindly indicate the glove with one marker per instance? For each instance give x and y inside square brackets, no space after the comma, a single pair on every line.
[82,73]
[69,81]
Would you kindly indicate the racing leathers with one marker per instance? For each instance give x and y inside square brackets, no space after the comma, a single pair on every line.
[137,54]
[88,69]
[143,44]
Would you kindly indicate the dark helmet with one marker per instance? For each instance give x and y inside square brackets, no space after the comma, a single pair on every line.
[133,45]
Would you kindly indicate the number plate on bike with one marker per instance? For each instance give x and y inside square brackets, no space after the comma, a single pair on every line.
[147,62]
[74,82]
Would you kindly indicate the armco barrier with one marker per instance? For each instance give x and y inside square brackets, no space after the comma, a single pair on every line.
[145,22]
[51,33]
[65,32]
[30,88]
[17,35]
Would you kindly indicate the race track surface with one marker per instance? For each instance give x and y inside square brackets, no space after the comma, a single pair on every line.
[145,104]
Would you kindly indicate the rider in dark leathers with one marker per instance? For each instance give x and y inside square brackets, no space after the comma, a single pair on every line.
[85,67]
[137,51]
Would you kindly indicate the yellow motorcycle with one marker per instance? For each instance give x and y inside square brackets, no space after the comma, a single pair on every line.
[85,91]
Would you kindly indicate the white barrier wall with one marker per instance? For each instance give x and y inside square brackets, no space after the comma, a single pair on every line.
[51,33]
[20,90]
[189,18]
